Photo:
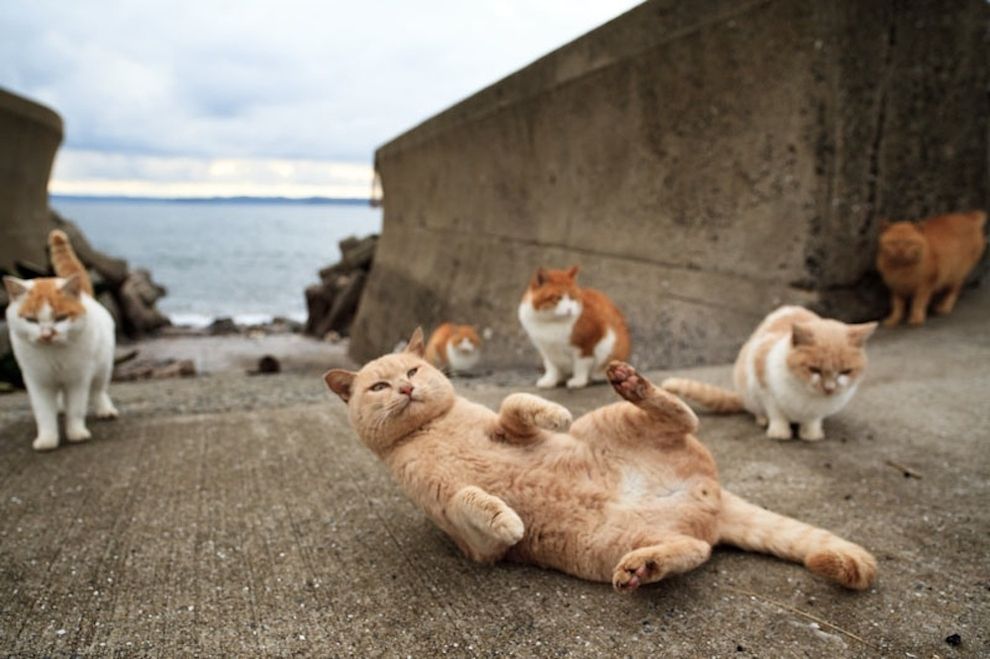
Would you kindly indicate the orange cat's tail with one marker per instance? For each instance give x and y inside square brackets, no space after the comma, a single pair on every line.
[753,528]
[713,398]
[65,261]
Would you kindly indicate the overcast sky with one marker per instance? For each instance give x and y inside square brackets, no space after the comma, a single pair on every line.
[281,97]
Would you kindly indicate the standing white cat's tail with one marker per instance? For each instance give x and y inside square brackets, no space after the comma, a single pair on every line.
[709,396]
[753,528]
[65,261]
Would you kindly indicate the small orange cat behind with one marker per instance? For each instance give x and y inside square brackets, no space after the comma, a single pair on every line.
[454,348]
[920,260]
[577,331]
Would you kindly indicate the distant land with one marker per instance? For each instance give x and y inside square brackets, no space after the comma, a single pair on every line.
[218,200]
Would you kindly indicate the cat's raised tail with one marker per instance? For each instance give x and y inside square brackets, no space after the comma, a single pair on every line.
[708,396]
[65,261]
[750,527]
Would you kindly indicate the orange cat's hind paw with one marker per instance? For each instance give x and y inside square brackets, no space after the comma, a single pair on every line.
[628,578]
[627,382]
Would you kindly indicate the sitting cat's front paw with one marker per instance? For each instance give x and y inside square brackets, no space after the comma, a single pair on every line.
[107,413]
[45,443]
[78,434]
[779,430]
[577,382]
[548,381]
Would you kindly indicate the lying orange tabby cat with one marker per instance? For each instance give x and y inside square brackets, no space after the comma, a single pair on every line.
[918,261]
[454,348]
[626,495]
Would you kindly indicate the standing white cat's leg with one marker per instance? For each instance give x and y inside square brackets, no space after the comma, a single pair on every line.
[76,402]
[582,372]
[778,427]
[551,374]
[101,395]
[44,405]
[811,431]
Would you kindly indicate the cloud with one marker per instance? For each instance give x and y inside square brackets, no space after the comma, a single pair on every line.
[98,173]
[303,80]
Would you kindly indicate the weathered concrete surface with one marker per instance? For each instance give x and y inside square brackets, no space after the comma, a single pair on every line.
[30,134]
[703,161]
[239,516]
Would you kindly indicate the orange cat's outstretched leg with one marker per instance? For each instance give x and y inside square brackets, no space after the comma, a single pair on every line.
[653,400]
[522,416]
[674,555]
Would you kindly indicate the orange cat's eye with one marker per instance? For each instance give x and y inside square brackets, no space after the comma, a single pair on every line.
[30,319]
[60,317]
[412,372]
[846,372]
[378,386]
[815,370]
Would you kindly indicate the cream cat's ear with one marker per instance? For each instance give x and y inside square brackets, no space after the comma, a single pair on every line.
[15,287]
[802,335]
[72,286]
[416,344]
[858,334]
[339,381]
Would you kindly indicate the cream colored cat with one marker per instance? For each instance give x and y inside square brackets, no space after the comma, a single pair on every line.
[63,340]
[627,495]
[795,368]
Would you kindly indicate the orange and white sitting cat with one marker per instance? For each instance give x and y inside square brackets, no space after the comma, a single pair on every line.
[627,495]
[919,261]
[577,331]
[795,368]
[454,348]
[63,340]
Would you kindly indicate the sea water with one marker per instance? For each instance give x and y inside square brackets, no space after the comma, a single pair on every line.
[250,261]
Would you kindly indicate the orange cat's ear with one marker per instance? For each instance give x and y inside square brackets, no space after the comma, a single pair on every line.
[15,287]
[339,381]
[858,334]
[539,278]
[572,271]
[72,286]
[416,344]
[801,335]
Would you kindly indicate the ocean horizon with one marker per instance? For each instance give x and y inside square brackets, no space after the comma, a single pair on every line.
[247,259]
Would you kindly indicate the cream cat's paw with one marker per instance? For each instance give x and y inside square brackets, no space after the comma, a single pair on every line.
[508,527]
[45,443]
[849,565]
[78,434]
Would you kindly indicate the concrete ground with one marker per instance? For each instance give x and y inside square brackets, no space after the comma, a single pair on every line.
[239,516]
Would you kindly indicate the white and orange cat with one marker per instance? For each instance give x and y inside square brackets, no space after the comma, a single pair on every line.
[934,256]
[63,340]
[795,368]
[577,331]
[625,494]
[454,348]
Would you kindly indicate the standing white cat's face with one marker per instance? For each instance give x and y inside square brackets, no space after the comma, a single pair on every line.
[45,311]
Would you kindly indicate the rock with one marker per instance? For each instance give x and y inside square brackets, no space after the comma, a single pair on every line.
[140,315]
[266,366]
[10,372]
[332,304]
[224,325]
[154,369]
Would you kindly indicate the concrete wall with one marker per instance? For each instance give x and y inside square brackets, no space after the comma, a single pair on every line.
[29,137]
[703,162]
